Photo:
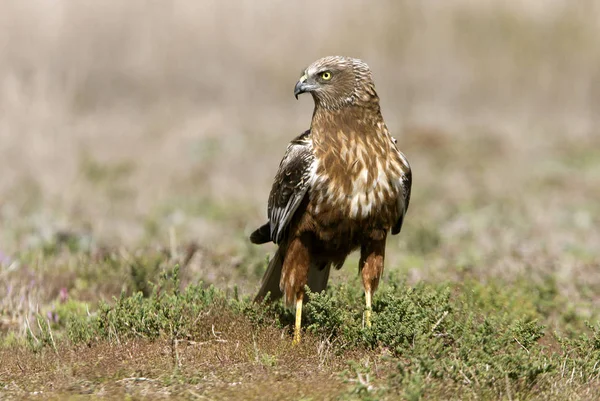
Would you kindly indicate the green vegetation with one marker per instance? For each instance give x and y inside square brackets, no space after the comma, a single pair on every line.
[446,340]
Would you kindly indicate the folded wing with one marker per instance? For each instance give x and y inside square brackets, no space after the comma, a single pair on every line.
[404,199]
[290,186]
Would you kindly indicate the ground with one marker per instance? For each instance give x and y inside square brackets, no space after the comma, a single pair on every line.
[137,147]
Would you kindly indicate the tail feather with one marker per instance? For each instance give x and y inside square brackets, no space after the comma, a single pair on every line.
[318,276]
[270,282]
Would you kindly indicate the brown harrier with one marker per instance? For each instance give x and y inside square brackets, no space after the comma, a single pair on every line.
[342,185]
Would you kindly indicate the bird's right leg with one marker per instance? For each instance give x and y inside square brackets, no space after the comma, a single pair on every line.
[372,255]
[294,277]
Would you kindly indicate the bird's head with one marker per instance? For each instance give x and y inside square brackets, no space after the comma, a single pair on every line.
[336,82]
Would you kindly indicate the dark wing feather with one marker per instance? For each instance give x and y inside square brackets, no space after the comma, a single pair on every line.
[405,197]
[261,235]
[291,184]
[289,188]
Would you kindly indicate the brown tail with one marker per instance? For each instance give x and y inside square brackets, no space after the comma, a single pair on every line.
[318,276]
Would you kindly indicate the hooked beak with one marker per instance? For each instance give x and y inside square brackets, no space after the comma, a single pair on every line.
[301,86]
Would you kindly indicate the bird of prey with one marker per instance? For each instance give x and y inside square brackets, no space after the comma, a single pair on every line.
[342,185]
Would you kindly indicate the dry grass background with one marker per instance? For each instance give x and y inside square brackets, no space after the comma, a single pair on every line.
[127,120]
[136,125]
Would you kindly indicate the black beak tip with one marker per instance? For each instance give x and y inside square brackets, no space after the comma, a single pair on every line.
[298,89]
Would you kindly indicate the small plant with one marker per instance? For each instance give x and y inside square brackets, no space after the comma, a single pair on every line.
[360,378]
[167,311]
[44,336]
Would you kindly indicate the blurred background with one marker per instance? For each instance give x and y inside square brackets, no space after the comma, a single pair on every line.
[137,124]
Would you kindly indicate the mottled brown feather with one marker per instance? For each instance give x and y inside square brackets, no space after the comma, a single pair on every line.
[341,186]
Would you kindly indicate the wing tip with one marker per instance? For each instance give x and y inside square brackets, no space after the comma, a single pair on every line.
[398,226]
[261,235]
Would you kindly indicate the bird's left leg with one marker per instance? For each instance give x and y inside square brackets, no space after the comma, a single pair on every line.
[372,254]
[294,277]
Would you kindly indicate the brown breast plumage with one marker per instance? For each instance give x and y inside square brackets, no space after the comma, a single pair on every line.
[356,184]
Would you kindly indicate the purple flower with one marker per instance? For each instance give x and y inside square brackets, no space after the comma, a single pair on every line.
[52,316]
[63,296]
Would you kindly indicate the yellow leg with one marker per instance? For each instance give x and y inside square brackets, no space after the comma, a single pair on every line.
[298,321]
[371,268]
[368,308]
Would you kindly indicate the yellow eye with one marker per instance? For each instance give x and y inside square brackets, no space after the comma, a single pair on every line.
[326,75]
